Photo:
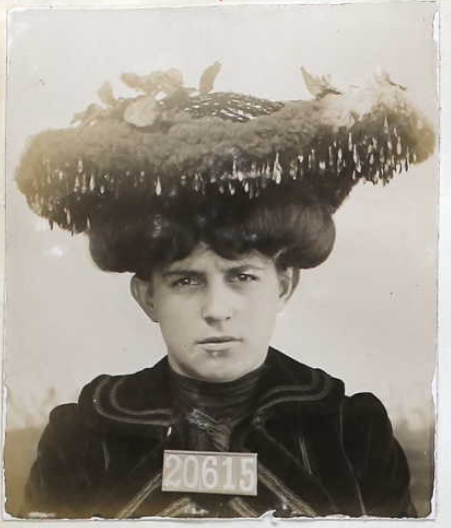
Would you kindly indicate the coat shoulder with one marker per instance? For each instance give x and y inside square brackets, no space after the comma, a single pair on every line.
[64,421]
[366,427]
[377,458]
[69,464]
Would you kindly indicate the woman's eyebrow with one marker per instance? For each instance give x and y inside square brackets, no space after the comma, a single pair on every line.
[185,272]
[244,267]
[239,268]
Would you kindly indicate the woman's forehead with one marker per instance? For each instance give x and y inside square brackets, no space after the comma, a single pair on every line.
[203,258]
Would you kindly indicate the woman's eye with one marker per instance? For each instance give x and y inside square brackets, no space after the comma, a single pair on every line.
[244,277]
[185,281]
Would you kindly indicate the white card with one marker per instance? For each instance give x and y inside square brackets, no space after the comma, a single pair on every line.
[210,472]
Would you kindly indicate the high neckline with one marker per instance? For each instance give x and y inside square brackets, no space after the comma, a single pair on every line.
[228,399]
[208,411]
[216,389]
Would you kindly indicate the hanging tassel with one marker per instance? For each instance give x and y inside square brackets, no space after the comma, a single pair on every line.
[268,172]
[313,159]
[92,183]
[257,186]
[251,190]
[293,170]
[389,145]
[376,176]
[196,183]
[84,185]
[355,155]
[277,170]
[158,187]
[331,157]
[234,168]
[253,172]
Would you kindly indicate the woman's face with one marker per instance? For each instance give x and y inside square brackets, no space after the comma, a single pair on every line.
[216,315]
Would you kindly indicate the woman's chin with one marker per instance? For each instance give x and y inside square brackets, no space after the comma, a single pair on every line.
[222,373]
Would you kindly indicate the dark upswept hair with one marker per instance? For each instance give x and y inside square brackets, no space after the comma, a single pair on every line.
[286,223]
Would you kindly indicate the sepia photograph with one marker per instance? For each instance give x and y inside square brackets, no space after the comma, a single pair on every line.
[221,262]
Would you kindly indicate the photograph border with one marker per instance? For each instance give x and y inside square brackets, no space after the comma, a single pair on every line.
[443,422]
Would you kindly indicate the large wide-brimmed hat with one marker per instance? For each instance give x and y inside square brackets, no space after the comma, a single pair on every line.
[170,137]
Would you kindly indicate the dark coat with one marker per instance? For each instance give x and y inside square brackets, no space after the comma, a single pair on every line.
[319,451]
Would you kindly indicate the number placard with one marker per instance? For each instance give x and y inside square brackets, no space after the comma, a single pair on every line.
[210,472]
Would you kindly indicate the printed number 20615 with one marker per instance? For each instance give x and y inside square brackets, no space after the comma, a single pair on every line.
[210,472]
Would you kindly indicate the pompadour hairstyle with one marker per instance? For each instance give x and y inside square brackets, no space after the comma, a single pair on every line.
[286,224]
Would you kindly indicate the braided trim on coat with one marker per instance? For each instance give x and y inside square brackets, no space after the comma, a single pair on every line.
[100,409]
[240,506]
[140,497]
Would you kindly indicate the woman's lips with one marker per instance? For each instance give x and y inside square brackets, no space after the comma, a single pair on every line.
[218,343]
[218,339]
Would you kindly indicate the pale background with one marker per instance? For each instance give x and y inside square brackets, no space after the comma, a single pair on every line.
[367,315]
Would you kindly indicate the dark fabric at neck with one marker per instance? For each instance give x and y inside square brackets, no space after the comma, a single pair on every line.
[209,411]
[219,400]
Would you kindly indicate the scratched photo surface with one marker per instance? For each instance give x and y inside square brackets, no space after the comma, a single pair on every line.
[367,315]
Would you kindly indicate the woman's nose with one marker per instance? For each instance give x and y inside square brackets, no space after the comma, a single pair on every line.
[218,302]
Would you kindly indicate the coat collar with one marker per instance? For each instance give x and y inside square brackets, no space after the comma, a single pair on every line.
[141,403]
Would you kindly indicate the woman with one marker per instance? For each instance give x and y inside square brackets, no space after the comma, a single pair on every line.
[215,201]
